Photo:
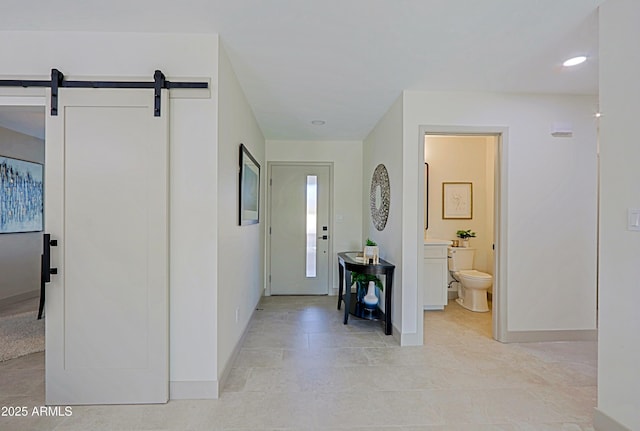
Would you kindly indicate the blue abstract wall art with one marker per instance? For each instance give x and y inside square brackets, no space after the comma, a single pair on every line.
[21,193]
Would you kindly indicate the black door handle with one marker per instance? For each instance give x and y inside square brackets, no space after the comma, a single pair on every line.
[47,243]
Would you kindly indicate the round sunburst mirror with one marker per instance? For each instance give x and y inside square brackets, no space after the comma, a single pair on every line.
[380,197]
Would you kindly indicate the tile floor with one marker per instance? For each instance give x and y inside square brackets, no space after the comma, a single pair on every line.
[300,368]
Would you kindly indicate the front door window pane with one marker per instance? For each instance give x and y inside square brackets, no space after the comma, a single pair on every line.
[312,216]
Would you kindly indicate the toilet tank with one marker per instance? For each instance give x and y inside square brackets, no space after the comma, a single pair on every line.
[460,258]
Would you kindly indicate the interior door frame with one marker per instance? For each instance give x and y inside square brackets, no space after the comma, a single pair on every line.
[499,312]
[267,275]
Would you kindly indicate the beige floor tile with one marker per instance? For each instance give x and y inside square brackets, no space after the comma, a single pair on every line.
[19,382]
[34,361]
[237,379]
[258,357]
[584,352]
[29,423]
[319,341]
[326,357]
[272,340]
[301,368]
[504,427]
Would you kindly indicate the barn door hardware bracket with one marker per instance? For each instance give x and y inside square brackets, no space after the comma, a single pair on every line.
[57,81]
[159,82]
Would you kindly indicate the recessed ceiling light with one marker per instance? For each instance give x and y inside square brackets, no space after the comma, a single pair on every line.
[318,122]
[575,61]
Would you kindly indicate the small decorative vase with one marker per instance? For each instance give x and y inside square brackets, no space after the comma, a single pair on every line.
[465,243]
[370,299]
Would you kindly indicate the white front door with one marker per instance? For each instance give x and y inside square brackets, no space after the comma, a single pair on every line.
[300,231]
[106,204]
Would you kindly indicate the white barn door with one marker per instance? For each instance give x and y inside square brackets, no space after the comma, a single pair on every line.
[106,204]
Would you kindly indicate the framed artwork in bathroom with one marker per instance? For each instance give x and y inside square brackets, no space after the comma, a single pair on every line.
[457,201]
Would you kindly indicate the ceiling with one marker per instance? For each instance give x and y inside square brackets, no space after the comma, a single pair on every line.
[346,61]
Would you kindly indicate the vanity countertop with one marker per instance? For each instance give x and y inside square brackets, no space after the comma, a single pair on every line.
[437,242]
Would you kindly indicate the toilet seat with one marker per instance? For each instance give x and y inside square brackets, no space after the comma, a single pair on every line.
[475,275]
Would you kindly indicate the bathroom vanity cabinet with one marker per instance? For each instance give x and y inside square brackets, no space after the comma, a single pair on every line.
[436,272]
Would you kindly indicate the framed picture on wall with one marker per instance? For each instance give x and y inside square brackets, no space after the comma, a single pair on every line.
[249,196]
[21,193]
[457,201]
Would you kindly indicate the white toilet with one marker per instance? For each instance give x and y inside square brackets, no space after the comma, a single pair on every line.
[472,285]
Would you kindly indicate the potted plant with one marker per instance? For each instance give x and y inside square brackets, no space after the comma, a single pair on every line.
[365,288]
[371,252]
[465,235]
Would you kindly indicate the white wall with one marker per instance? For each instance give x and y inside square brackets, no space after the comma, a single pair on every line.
[347,190]
[20,252]
[240,248]
[618,346]
[193,170]
[463,159]
[384,145]
[551,203]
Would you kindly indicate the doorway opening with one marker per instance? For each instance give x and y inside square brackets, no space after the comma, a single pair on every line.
[22,149]
[470,159]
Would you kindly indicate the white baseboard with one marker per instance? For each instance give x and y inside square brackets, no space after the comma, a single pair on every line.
[207,390]
[542,336]
[194,390]
[395,333]
[603,422]
[236,350]
[20,297]
[408,339]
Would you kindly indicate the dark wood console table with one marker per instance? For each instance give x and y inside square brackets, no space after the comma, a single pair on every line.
[347,264]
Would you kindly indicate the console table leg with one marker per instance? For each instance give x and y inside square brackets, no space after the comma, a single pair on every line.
[347,296]
[388,279]
[340,283]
